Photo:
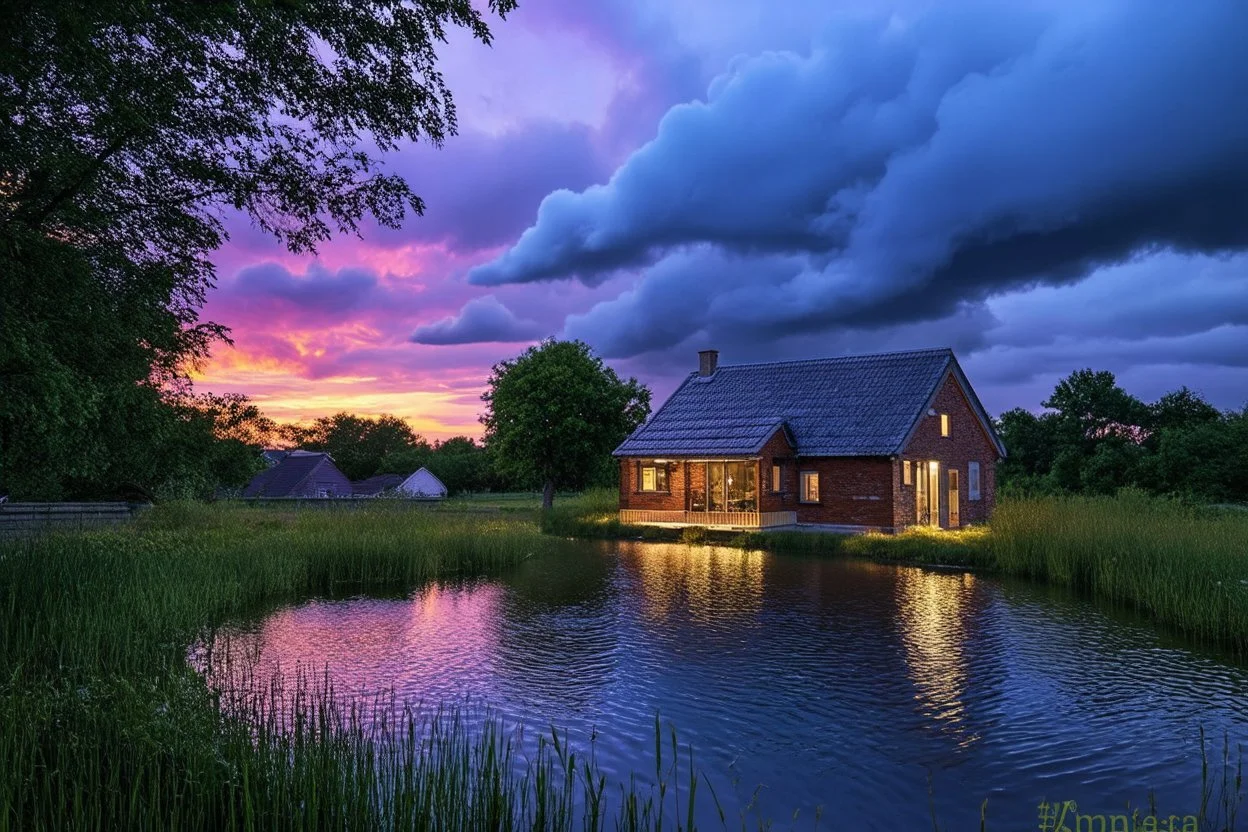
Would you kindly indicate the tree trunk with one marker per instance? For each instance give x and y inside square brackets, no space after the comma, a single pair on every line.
[548,495]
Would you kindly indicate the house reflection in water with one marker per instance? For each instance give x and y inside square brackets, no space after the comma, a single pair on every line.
[932,614]
[706,583]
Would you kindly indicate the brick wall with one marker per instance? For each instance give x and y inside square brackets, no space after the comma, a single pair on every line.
[967,441]
[671,500]
[771,496]
[854,491]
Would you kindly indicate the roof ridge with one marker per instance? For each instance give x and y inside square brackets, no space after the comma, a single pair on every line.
[832,358]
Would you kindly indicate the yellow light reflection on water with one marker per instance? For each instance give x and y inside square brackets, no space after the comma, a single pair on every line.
[932,614]
[712,582]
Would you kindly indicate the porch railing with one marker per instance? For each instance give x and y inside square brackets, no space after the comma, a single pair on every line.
[738,519]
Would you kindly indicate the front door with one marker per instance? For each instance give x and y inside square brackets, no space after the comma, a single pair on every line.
[954,519]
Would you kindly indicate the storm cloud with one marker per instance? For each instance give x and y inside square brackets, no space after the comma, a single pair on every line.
[481,320]
[909,169]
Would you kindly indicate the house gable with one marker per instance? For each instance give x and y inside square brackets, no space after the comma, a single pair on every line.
[955,380]
[423,483]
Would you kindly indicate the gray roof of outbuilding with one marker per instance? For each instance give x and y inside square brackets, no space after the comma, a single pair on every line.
[858,405]
[376,484]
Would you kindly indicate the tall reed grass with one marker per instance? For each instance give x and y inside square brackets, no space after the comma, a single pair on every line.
[104,725]
[1185,565]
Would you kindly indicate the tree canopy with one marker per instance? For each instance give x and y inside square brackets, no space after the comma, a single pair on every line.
[1096,438]
[555,413]
[130,133]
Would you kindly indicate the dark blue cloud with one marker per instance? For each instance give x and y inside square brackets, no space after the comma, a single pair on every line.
[906,170]
[319,291]
[481,320]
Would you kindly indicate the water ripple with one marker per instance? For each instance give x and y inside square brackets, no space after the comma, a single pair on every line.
[799,682]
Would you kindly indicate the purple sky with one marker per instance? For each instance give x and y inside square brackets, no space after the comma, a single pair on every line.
[1043,186]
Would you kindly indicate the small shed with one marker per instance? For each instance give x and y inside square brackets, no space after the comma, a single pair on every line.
[423,485]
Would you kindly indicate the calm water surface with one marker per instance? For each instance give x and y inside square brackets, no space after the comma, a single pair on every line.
[808,682]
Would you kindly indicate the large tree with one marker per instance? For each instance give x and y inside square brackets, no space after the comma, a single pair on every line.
[130,131]
[555,413]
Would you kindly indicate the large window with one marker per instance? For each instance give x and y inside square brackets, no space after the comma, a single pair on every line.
[653,475]
[730,486]
[972,480]
[810,486]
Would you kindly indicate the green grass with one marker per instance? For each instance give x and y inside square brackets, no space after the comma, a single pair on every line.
[104,725]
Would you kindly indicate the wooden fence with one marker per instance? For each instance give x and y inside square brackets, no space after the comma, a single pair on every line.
[22,519]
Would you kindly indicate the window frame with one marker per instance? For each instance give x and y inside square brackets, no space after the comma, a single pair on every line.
[804,493]
[642,467]
[945,430]
[974,485]
[777,474]
[907,473]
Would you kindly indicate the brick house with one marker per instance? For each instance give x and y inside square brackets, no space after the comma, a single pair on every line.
[858,442]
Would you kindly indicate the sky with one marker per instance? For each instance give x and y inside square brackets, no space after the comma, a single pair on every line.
[1042,186]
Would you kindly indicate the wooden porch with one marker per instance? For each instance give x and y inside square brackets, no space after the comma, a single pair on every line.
[710,519]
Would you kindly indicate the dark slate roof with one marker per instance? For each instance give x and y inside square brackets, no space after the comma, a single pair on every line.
[286,477]
[272,456]
[858,405]
[376,484]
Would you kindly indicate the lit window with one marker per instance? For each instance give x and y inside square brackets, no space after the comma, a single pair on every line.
[944,424]
[906,476]
[653,476]
[775,478]
[972,480]
[810,486]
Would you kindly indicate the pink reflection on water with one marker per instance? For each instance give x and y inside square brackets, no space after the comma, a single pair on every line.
[435,646]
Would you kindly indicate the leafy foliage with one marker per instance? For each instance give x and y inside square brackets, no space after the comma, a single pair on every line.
[131,133]
[1098,439]
[358,444]
[555,413]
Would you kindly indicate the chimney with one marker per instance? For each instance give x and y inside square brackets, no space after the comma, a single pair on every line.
[708,360]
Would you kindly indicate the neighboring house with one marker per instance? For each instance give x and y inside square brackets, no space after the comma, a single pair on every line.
[375,485]
[423,485]
[300,475]
[860,442]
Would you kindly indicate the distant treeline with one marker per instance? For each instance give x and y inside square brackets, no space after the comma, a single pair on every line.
[1096,438]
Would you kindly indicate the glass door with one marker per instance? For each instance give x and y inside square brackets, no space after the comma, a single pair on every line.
[715,487]
[932,509]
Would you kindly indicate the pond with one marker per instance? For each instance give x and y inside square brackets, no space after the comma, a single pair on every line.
[880,693]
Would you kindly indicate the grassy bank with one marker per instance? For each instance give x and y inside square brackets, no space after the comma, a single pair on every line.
[1185,565]
[103,725]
